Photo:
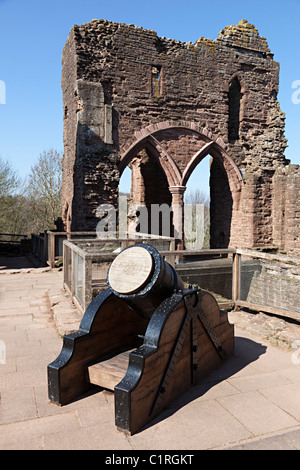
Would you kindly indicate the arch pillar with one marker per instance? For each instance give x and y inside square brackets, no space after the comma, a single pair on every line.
[177,193]
[155,138]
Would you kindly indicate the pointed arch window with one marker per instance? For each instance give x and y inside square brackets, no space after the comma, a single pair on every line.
[235,96]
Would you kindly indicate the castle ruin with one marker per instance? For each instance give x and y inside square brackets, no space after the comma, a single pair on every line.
[161,106]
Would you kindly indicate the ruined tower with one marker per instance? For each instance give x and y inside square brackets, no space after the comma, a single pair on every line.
[161,106]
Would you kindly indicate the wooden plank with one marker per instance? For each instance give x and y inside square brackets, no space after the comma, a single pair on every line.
[226,304]
[51,255]
[108,373]
[265,308]
[269,256]
[236,276]
[107,326]
[214,251]
[141,397]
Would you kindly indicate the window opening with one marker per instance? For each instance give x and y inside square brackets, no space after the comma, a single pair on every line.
[156,79]
[234,98]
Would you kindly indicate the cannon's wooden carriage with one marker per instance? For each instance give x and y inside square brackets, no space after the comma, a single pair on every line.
[145,337]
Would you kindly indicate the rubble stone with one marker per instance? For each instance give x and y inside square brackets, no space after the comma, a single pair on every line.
[160,105]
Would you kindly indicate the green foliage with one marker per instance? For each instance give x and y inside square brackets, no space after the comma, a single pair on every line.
[44,191]
[200,197]
[31,206]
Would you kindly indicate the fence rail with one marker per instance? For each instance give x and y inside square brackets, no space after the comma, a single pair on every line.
[38,247]
[14,243]
[48,246]
[268,282]
[86,263]
[238,277]
[15,235]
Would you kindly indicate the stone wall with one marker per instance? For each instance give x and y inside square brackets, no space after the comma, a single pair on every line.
[292,211]
[271,283]
[128,92]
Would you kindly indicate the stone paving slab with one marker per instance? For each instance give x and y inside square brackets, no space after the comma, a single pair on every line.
[286,441]
[249,402]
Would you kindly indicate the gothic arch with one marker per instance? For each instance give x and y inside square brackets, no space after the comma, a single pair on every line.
[240,79]
[161,156]
[145,138]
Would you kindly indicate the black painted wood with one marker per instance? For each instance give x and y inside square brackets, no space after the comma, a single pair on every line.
[137,360]
[174,344]
[108,325]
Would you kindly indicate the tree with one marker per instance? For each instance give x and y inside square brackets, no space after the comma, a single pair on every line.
[31,206]
[9,186]
[9,180]
[197,196]
[200,197]
[44,191]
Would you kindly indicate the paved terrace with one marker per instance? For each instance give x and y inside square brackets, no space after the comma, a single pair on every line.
[250,402]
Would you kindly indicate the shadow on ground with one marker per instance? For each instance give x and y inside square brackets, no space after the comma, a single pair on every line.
[8,262]
[246,351]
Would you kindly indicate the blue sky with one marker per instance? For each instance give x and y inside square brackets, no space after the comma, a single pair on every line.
[33,34]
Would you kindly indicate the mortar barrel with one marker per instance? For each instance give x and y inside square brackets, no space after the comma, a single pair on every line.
[141,277]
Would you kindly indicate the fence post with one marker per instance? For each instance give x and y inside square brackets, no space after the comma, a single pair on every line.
[45,252]
[65,265]
[73,273]
[236,277]
[52,250]
[87,281]
[171,257]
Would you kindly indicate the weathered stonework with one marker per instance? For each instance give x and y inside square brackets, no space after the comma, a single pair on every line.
[161,106]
